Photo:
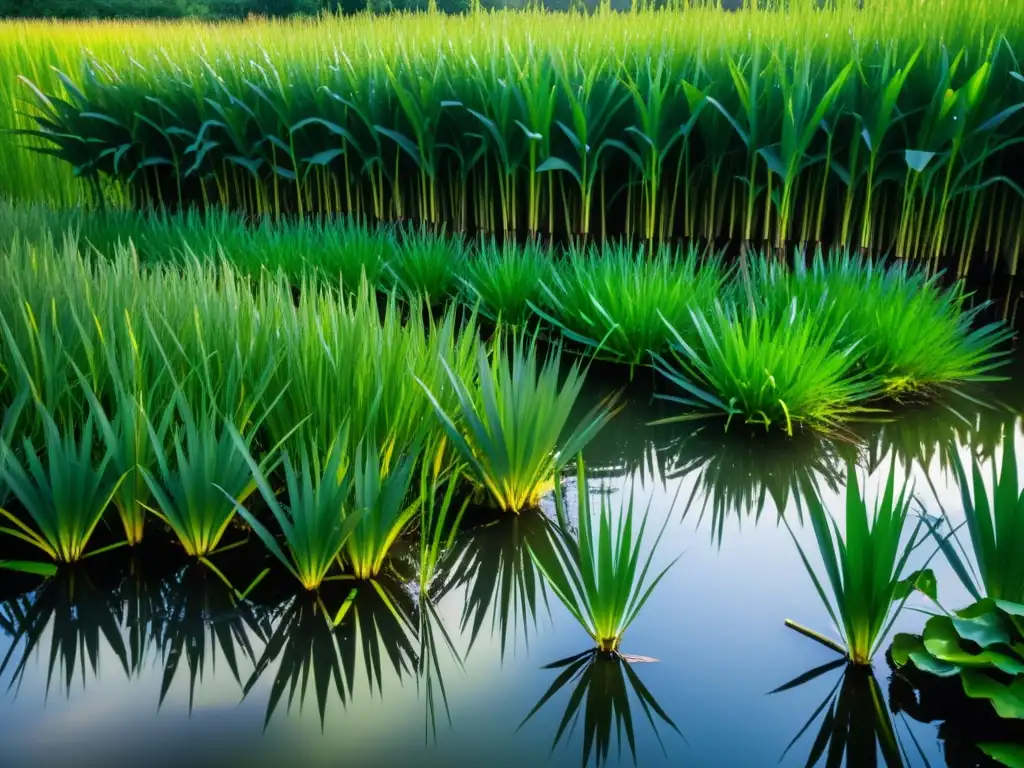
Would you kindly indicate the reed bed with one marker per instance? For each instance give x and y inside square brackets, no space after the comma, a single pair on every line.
[811,341]
[890,127]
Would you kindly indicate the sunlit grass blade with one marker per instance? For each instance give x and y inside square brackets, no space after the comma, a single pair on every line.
[865,584]
[599,573]
[777,372]
[316,521]
[381,484]
[511,433]
[994,520]
[61,488]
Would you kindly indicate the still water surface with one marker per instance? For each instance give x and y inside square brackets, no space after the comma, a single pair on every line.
[145,663]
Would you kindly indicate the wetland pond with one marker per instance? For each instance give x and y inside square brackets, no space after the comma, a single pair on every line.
[143,661]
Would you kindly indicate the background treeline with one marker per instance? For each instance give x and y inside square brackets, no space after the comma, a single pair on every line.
[236,9]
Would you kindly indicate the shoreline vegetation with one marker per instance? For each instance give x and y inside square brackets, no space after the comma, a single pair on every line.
[891,128]
[337,289]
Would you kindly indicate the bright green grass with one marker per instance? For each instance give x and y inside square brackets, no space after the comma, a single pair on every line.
[884,125]
[612,299]
[912,333]
[514,434]
[865,562]
[771,371]
[598,572]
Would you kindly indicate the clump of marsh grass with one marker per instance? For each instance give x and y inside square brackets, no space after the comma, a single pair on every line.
[427,265]
[771,370]
[912,333]
[994,520]
[382,478]
[510,431]
[864,567]
[316,522]
[612,299]
[599,572]
[62,489]
[506,281]
[200,481]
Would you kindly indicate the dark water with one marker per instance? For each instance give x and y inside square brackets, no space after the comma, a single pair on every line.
[147,663]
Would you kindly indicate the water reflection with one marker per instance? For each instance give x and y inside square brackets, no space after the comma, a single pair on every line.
[499,577]
[854,726]
[201,621]
[599,687]
[736,473]
[965,724]
[80,619]
[405,643]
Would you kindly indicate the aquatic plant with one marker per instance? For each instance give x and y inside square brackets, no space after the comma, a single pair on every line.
[317,521]
[381,481]
[599,573]
[200,481]
[995,527]
[973,730]
[601,685]
[510,433]
[427,265]
[505,282]
[62,489]
[612,299]
[734,127]
[342,361]
[782,371]
[912,333]
[982,644]
[864,568]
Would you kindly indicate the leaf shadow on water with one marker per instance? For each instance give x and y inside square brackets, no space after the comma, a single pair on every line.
[599,687]
[856,727]
[382,628]
[736,473]
[202,617]
[922,435]
[492,564]
[80,617]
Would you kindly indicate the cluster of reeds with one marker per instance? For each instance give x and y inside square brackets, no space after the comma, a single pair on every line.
[813,343]
[892,126]
[173,393]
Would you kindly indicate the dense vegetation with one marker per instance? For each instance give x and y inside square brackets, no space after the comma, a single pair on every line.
[888,127]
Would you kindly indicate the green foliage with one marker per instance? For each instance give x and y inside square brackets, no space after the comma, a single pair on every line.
[910,332]
[995,527]
[427,265]
[506,282]
[765,370]
[511,433]
[598,573]
[891,127]
[612,300]
[983,644]
[201,480]
[61,488]
[382,479]
[316,522]
[864,567]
